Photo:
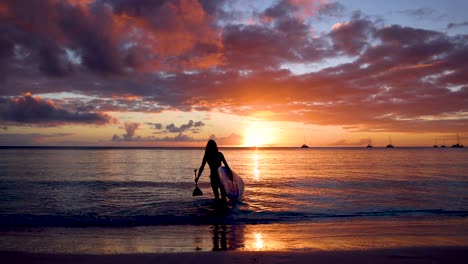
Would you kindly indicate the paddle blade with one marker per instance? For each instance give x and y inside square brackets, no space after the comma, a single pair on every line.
[197,192]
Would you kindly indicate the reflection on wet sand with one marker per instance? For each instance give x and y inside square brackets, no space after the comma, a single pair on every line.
[356,234]
[219,238]
[227,237]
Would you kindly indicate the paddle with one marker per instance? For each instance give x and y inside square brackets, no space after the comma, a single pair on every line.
[197,191]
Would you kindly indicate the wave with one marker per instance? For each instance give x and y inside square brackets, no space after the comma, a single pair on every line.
[99,184]
[204,216]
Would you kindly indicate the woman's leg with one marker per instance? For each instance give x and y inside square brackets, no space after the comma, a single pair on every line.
[223,192]
[214,186]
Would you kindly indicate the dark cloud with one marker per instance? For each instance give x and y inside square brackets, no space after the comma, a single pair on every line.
[419,13]
[152,139]
[130,129]
[157,126]
[280,10]
[36,111]
[107,37]
[333,9]
[178,138]
[53,60]
[457,25]
[171,128]
[259,47]
[214,8]
[352,37]
[46,28]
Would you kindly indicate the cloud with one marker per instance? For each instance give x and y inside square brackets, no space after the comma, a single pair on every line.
[48,29]
[419,13]
[157,126]
[187,55]
[457,25]
[353,36]
[333,9]
[36,111]
[109,38]
[171,128]
[153,139]
[231,140]
[17,139]
[345,142]
[130,129]
[178,138]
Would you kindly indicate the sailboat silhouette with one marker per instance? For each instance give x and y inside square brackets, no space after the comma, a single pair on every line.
[390,144]
[304,145]
[458,145]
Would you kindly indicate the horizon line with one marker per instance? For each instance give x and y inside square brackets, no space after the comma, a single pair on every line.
[202,147]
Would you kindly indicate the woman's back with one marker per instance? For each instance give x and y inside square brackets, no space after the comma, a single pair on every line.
[214,161]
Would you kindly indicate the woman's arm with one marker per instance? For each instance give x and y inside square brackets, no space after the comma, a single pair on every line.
[225,164]
[202,167]
[224,161]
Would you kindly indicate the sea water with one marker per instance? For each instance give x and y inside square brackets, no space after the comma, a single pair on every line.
[147,188]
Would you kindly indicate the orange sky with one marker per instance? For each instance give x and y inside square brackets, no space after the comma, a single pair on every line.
[263,73]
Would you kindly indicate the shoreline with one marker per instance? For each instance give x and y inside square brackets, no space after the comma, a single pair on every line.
[339,235]
[383,256]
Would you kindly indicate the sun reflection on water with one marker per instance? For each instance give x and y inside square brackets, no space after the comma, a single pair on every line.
[256,171]
[258,241]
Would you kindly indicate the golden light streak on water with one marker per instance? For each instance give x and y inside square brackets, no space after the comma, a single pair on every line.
[258,241]
[256,171]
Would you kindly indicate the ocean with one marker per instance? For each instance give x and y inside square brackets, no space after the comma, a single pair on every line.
[119,193]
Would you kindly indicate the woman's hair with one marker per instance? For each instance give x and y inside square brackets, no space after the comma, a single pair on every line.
[211,148]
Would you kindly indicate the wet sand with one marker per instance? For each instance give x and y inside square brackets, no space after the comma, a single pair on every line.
[338,235]
[383,256]
[397,240]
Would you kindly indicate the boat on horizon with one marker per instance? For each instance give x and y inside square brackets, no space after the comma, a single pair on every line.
[458,145]
[369,144]
[304,146]
[390,144]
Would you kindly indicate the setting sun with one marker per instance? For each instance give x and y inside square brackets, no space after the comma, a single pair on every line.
[258,134]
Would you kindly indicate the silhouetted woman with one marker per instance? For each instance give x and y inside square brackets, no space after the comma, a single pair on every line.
[214,159]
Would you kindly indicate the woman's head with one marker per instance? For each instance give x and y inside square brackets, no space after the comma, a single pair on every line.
[211,148]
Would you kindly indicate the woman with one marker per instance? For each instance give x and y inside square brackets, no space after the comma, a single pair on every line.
[214,159]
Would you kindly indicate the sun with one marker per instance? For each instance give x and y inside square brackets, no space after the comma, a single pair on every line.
[258,134]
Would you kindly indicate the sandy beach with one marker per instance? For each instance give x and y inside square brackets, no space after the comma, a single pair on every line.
[383,256]
[357,241]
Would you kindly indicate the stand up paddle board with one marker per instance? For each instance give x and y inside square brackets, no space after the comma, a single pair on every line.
[234,187]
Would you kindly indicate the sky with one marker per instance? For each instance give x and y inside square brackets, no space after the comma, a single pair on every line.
[245,73]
